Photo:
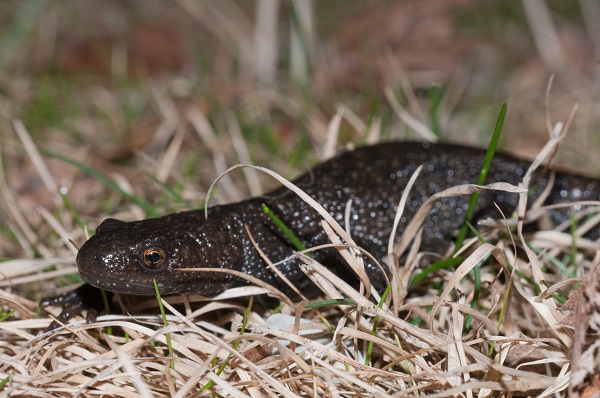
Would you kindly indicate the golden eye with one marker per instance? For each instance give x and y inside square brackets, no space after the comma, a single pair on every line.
[154,257]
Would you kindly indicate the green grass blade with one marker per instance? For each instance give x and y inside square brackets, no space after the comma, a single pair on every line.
[435,94]
[178,198]
[376,325]
[330,303]
[284,228]
[7,315]
[438,265]
[489,156]
[4,381]
[148,208]
[165,324]
[72,210]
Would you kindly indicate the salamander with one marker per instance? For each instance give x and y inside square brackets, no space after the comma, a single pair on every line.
[125,257]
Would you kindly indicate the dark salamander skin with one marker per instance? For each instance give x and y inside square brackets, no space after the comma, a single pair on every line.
[125,257]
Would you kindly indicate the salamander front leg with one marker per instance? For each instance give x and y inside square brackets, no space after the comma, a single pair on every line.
[85,298]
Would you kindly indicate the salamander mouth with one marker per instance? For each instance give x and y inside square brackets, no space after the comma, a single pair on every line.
[120,286]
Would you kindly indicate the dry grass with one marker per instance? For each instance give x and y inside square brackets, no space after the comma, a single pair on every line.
[437,338]
[414,342]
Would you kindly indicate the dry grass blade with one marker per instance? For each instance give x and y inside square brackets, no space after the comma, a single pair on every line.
[253,182]
[272,290]
[411,229]
[544,32]
[391,254]
[547,309]
[352,257]
[333,130]
[478,255]
[265,40]
[407,118]
[584,357]
[270,264]
[37,160]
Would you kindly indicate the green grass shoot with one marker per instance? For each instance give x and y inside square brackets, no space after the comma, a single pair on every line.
[489,155]
[284,228]
[165,324]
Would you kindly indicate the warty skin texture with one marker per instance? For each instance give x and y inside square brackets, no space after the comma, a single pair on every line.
[372,179]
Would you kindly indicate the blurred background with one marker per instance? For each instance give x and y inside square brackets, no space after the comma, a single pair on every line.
[154,93]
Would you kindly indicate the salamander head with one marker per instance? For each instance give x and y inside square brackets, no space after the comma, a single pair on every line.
[125,257]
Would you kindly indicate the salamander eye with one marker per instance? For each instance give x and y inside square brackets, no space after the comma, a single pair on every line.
[153,258]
